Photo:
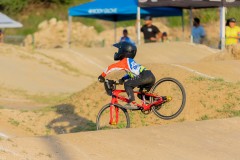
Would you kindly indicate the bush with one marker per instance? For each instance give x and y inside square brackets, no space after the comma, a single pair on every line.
[51,1]
[12,6]
[15,6]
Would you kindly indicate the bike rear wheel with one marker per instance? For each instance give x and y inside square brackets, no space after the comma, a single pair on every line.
[171,89]
[103,118]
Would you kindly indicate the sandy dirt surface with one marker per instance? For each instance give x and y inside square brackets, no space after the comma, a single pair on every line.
[228,70]
[33,79]
[208,140]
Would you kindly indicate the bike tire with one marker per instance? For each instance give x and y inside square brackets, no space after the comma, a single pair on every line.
[102,122]
[181,102]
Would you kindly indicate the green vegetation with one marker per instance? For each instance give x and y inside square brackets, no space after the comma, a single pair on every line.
[90,22]
[15,6]
[32,12]
[12,6]
[13,122]
[204,117]
[89,126]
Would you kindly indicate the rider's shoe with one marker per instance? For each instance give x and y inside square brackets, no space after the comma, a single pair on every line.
[130,106]
[140,96]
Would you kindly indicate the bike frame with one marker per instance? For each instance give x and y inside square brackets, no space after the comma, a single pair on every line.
[144,106]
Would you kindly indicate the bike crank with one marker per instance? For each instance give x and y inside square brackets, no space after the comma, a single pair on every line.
[146,112]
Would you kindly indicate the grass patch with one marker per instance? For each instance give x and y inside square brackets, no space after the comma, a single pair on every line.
[13,122]
[91,22]
[204,117]
[181,119]
[217,80]
[235,113]
[1,107]
[199,78]
[89,126]
[46,109]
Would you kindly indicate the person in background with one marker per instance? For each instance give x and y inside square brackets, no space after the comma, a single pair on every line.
[150,32]
[198,32]
[232,32]
[1,36]
[164,37]
[125,37]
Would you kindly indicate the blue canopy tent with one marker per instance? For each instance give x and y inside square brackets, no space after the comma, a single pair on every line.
[119,10]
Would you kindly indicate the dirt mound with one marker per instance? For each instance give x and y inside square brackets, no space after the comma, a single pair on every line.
[236,51]
[54,34]
[221,56]
[231,53]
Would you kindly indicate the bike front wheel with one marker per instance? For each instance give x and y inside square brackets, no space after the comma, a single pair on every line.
[112,116]
[175,98]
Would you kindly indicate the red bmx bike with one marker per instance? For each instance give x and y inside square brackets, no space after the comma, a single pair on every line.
[166,99]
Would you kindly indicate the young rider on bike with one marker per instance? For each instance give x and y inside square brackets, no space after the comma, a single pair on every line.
[137,75]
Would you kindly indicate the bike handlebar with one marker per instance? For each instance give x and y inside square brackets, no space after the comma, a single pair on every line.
[112,81]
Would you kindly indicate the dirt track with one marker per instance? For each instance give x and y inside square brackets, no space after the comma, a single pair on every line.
[60,71]
[208,140]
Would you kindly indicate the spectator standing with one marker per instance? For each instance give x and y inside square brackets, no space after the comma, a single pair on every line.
[125,37]
[1,36]
[198,32]
[164,37]
[232,32]
[151,33]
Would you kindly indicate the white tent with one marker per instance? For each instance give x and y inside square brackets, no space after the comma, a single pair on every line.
[6,22]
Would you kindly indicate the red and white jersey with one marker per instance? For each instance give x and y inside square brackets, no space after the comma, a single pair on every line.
[128,64]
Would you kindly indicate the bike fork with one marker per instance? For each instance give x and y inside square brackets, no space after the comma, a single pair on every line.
[113,115]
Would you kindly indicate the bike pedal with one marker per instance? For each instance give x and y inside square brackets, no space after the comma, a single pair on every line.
[113,123]
[169,98]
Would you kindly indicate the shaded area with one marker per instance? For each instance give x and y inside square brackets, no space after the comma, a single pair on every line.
[69,121]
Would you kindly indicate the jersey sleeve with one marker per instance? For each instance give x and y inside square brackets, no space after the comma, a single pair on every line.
[121,65]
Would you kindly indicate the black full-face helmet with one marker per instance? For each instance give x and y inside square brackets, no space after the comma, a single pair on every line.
[125,50]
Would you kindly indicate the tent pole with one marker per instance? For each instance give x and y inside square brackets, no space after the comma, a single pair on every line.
[191,24]
[222,27]
[183,35]
[69,30]
[138,25]
[115,31]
